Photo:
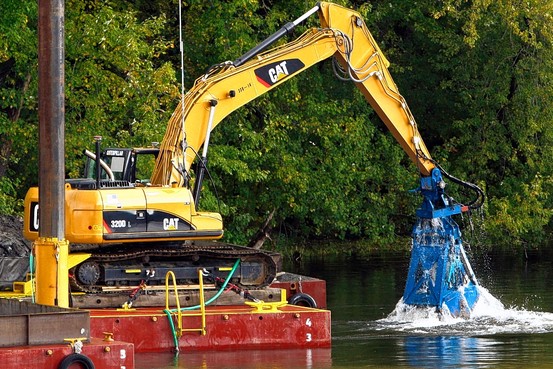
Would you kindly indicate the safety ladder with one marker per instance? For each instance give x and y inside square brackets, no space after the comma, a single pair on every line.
[179,312]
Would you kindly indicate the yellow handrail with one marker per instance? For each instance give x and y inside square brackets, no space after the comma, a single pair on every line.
[201,305]
[202,300]
[180,328]
[179,312]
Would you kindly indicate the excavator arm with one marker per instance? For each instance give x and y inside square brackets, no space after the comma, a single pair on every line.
[230,85]
[439,274]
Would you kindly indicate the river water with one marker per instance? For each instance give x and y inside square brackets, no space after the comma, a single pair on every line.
[511,327]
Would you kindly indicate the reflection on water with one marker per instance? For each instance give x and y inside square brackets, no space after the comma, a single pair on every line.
[470,352]
[511,326]
[438,352]
[238,358]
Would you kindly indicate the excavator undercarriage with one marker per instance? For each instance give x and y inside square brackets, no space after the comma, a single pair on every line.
[116,268]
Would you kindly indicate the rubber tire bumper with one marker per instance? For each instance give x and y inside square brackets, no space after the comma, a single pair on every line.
[303,299]
[76,359]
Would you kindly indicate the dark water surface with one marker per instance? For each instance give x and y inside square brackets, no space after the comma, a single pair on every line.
[512,325]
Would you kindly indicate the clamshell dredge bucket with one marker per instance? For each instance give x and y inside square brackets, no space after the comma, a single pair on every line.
[439,274]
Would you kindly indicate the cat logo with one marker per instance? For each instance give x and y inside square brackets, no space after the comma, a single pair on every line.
[277,71]
[171,224]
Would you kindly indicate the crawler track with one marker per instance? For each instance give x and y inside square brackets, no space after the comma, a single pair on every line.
[133,264]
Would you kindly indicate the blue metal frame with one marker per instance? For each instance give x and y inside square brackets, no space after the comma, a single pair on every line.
[440,274]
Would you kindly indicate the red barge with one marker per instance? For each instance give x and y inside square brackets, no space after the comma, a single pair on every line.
[37,336]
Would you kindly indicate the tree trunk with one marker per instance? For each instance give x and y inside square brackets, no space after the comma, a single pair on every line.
[263,233]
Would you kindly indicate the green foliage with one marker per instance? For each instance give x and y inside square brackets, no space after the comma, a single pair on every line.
[114,88]
[477,76]
[115,85]
[317,159]
[18,54]
[9,203]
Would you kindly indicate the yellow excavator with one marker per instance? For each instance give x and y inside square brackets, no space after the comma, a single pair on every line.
[151,225]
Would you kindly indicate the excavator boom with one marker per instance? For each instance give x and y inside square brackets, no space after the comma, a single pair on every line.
[230,85]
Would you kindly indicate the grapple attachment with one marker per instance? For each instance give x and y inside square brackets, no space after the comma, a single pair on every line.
[440,274]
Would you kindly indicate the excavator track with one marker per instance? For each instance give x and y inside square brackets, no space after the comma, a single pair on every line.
[126,266]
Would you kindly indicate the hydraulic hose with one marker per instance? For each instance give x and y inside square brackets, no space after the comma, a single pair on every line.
[478,201]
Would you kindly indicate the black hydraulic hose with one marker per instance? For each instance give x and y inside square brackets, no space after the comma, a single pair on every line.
[478,201]
[202,166]
[206,171]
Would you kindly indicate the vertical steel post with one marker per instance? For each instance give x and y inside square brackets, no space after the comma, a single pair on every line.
[98,161]
[51,248]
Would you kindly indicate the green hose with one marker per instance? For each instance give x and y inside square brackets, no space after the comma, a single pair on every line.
[168,312]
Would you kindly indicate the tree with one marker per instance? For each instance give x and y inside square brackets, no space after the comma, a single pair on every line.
[476,74]
[114,87]
[310,149]
[479,74]
[18,45]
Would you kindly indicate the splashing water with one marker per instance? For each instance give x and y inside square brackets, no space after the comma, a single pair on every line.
[489,317]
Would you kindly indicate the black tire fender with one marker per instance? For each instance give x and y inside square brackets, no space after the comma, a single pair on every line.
[303,299]
[76,359]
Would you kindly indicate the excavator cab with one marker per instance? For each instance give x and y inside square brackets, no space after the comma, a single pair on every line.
[134,165]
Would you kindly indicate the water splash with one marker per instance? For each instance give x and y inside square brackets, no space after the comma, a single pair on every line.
[489,317]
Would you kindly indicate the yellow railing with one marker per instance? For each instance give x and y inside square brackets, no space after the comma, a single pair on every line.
[180,330]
